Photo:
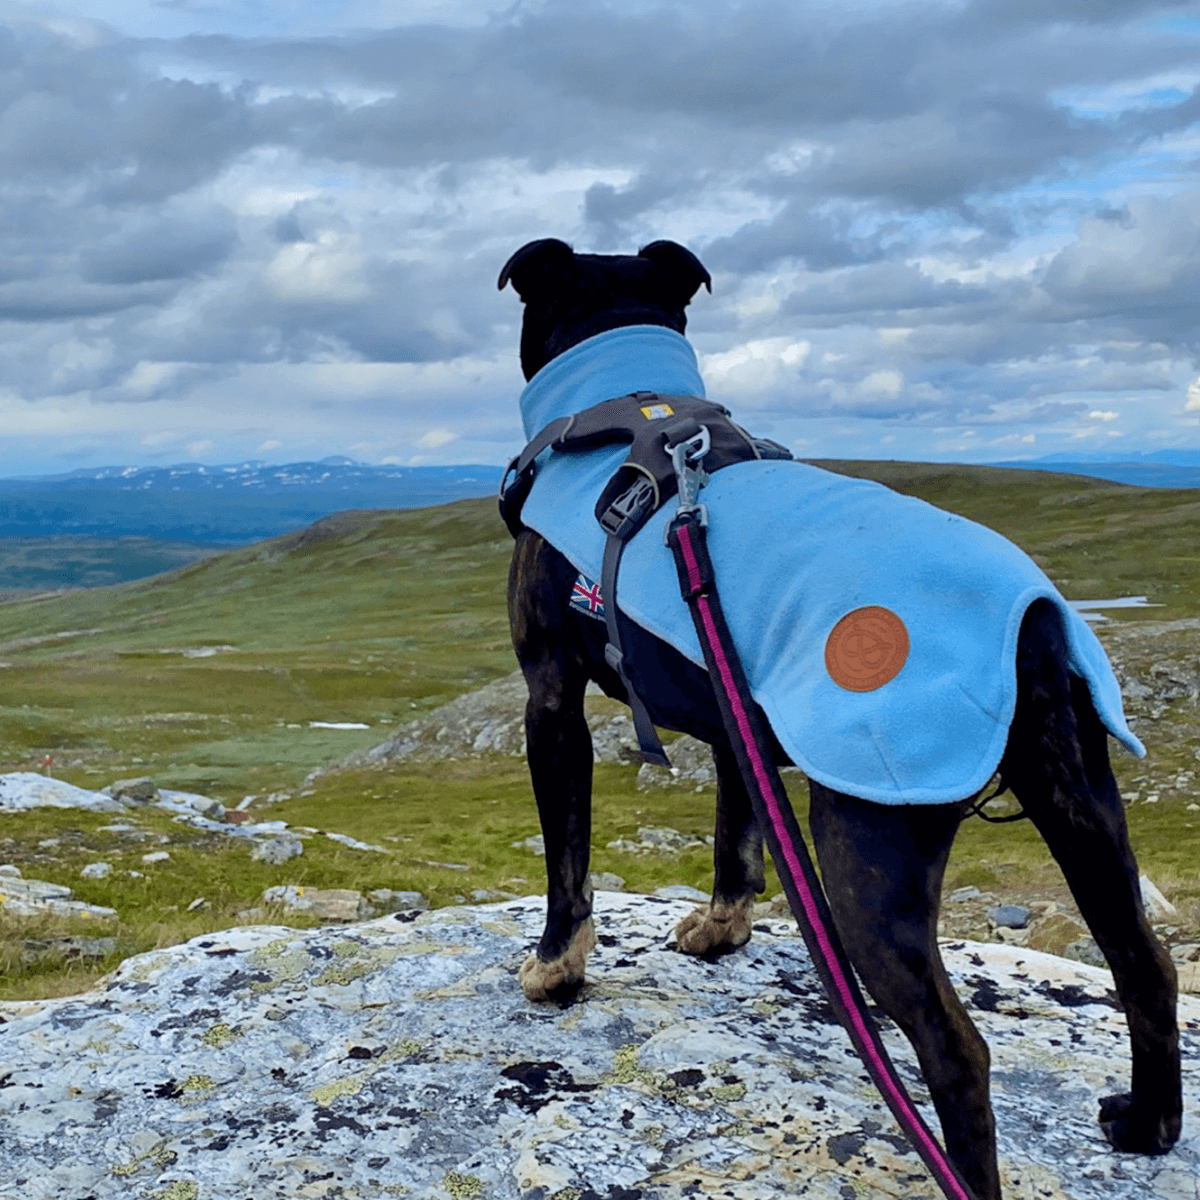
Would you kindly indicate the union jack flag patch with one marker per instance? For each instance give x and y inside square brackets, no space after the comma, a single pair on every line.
[585,596]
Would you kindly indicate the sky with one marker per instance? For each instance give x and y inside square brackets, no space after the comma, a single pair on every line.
[956,230]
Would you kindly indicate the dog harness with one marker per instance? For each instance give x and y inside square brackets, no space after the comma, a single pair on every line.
[648,422]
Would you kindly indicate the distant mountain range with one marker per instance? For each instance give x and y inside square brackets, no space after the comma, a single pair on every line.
[222,505]
[1156,468]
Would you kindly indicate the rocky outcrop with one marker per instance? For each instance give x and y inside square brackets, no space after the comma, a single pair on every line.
[399,1057]
[490,720]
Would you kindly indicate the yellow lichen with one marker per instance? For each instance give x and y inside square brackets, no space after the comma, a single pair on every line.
[220,1035]
[327,1093]
[462,1187]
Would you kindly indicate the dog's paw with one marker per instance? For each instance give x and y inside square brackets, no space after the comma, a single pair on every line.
[561,977]
[715,929]
[1134,1129]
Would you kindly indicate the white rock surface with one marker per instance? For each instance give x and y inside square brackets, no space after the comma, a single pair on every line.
[399,1057]
[27,789]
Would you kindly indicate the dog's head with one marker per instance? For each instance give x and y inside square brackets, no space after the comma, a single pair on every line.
[569,297]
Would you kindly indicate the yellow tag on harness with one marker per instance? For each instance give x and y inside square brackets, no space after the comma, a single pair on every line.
[655,412]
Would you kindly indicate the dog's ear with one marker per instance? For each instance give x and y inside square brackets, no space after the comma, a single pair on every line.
[537,265]
[684,270]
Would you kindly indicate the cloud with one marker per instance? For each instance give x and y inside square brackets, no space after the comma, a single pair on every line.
[968,215]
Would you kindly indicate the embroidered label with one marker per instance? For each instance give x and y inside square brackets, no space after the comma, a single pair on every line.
[656,412]
[866,649]
[585,596]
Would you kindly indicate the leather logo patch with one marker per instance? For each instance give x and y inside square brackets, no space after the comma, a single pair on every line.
[656,412]
[866,648]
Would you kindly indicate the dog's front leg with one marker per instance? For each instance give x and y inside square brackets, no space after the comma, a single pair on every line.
[559,748]
[724,925]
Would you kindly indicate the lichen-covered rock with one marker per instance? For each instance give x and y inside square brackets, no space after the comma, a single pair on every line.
[399,1057]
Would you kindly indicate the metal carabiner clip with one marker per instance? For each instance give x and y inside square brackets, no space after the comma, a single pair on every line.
[690,476]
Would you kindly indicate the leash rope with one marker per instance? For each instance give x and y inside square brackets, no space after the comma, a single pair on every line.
[746,726]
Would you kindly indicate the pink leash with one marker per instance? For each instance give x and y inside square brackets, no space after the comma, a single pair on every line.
[747,730]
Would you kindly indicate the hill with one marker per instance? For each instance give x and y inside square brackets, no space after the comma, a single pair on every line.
[212,672]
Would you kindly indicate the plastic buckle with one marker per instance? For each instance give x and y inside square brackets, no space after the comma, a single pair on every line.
[626,513]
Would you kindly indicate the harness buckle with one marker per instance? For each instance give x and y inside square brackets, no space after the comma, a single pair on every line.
[626,513]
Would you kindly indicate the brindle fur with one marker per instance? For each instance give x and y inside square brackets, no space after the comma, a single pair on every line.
[882,864]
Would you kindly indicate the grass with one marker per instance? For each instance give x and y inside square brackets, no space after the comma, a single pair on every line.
[207,679]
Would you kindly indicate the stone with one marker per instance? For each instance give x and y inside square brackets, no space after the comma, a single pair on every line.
[21,897]
[276,849]
[37,949]
[329,904]
[355,844]
[156,856]
[384,900]
[1009,916]
[1085,950]
[691,766]
[1156,904]
[23,790]
[399,1057]
[681,891]
[135,791]
[96,870]
[606,881]
[536,843]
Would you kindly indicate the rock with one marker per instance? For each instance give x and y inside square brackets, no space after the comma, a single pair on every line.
[606,881]
[490,720]
[400,1057]
[36,949]
[329,904]
[9,871]
[384,900]
[658,839]
[1009,916]
[355,844]
[96,870]
[1157,906]
[681,891]
[133,791]
[1186,952]
[691,766]
[1086,951]
[197,905]
[26,789]
[277,848]
[34,898]
[536,843]
[235,816]
[156,856]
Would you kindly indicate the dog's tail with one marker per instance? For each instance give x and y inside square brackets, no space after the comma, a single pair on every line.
[747,729]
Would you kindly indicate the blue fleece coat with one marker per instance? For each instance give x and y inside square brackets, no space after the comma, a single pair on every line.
[795,549]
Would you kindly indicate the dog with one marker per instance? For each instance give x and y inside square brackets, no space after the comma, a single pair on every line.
[882,864]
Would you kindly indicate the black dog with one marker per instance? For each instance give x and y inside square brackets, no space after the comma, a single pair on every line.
[882,864]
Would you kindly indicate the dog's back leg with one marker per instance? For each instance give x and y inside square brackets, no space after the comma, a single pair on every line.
[559,747]
[724,925]
[1057,765]
[882,867]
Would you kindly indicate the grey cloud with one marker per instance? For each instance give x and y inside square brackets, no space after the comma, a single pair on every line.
[150,248]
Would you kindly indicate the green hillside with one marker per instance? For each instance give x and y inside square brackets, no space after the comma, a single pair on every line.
[207,678]
[375,616]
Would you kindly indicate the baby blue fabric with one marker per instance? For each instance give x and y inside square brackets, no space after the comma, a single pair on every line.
[795,548]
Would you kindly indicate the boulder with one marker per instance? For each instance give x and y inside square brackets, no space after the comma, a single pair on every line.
[399,1057]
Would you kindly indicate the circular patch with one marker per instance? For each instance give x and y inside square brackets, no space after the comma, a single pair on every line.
[866,648]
